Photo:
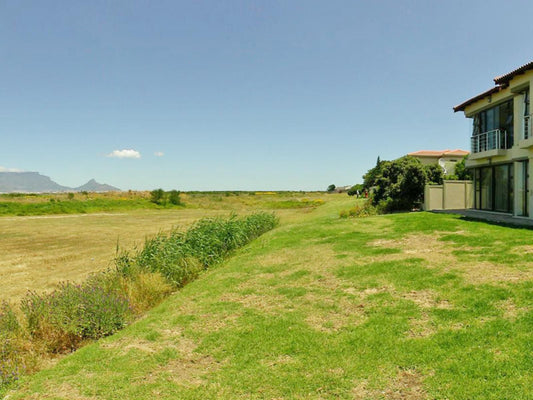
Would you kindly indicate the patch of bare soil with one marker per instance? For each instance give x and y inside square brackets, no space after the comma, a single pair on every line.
[63,391]
[331,315]
[407,385]
[510,309]
[426,299]
[188,370]
[428,247]
[487,272]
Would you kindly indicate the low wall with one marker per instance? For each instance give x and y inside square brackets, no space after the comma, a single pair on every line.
[451,195]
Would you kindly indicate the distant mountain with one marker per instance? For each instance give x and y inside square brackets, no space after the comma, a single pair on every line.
[34,182]
[93,186]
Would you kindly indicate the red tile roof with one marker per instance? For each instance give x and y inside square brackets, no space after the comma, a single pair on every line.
[501,82]
[462,106]
[510,75]
[439,153]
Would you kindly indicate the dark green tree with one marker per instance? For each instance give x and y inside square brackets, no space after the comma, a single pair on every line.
[399,184]
[174,197]
[434,173]
[331,188]
[157,196]
[461,172]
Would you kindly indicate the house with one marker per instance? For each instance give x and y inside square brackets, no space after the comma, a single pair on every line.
[502,143]
[445,158]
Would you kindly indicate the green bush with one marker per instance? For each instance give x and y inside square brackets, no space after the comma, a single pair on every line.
[72,313]
[400,183]
[174,197]
[365,209]
[157,196]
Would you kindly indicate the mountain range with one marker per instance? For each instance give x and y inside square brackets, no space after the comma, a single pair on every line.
[34,182]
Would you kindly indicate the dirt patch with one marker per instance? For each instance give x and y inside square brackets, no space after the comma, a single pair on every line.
[487,272]
[407,385]
[187,370]
[63,391]
[333,314]
[426,299]
[421,327]
[526,249]
[266,303]
[280,360]
[510,309]
[428,247]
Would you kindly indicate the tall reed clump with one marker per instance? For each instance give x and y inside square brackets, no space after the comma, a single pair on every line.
[64,319]
[180,256]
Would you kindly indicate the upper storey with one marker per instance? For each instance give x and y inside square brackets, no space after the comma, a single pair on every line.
[501,115]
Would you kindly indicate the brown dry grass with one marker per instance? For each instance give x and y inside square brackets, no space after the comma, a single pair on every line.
[406,385]
[38,252]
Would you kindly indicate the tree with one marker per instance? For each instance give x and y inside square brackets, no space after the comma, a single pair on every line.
[157,196]
[434,174]
[461,172]
[174,197]
[398,184]
[331,188]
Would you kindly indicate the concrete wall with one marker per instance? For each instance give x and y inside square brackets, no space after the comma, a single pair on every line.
[451,195]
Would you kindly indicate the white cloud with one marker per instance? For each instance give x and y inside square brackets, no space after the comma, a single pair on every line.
[159,154]
[126,153]
[4,169]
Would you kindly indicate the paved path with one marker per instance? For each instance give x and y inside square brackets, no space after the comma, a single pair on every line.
[496,218]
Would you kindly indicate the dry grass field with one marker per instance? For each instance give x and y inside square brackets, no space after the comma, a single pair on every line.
[37,252]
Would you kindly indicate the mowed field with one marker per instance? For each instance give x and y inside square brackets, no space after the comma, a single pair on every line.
[37,252]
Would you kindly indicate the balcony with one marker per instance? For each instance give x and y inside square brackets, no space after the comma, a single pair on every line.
[490,144]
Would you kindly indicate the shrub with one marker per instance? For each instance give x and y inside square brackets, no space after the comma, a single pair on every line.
[460,170]
[402,181]
[72,313]
[174,197]
[157,196]
[11,362]
[331,188]
[365,209]
[12,347]
[9,323]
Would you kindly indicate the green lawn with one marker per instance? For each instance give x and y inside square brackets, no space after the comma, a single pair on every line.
[405,306]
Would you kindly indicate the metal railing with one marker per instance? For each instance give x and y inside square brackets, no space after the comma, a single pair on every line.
[491,140]
[527,126]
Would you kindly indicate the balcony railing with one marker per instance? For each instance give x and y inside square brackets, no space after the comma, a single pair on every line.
[527,126]
[491,140]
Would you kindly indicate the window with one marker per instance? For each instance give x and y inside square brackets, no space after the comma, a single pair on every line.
[498,117]
[494,188]
[527,118]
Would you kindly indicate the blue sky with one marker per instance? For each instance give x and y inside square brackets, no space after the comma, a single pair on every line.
[243,95]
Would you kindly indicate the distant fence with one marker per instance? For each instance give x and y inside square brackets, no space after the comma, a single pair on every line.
[451,195]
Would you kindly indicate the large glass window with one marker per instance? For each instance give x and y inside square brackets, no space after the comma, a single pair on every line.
[493,188]
[497,117]
[486,188]
[522,187]
[503,187]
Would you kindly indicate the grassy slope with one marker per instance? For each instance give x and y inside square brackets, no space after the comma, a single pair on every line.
[384,307]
